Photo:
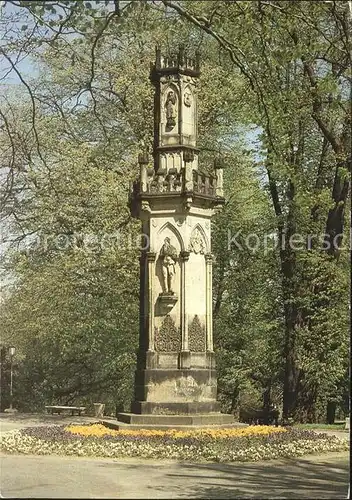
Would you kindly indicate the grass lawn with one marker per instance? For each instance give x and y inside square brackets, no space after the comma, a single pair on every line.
[326,427]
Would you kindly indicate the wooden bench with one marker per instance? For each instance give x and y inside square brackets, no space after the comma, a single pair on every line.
[255,416]
[72,409]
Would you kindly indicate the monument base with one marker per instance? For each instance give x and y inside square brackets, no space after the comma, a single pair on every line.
[166,422]
[176,420]
[175,408]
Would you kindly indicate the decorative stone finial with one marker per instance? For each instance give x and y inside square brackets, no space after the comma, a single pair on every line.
[188,155]
[218,167]
[157,57]
[173,63]
[218,163]
[197,60]
[143,158]
[181,55]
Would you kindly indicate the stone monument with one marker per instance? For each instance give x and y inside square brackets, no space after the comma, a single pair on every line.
[175,381]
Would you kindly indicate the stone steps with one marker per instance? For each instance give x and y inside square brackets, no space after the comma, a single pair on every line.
[165,422]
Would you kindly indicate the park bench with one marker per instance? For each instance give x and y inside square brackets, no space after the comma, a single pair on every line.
[72,409]
[255,416]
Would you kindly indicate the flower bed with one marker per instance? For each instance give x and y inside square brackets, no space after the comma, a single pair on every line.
[250,443]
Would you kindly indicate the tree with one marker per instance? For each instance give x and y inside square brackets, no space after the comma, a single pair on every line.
[294,58]
[282,66]
[72,303]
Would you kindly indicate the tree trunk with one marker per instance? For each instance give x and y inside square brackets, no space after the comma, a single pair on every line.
[336,215]
[311,407]
[330,412]
[290,374]
[267,402]
[288,270]
[267,396]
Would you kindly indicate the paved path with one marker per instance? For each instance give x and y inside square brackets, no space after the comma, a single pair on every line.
[11,422]
[65,477]
[339,434]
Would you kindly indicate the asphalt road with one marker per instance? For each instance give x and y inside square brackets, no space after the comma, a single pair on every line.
[65,477]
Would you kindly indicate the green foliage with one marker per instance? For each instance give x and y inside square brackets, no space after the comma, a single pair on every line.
[69,146]
[295,63]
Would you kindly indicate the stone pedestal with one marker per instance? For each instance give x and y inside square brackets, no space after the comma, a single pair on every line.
[175,420]
[99,409]
[132,421]
[175,379]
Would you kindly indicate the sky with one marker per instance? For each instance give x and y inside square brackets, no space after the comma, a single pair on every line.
[25,65]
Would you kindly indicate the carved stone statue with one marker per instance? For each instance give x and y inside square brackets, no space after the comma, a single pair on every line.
[171,110]
[168,254]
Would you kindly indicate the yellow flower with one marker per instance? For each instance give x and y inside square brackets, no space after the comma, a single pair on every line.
[99,430]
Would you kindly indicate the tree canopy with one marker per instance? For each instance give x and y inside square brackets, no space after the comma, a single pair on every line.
[77,108]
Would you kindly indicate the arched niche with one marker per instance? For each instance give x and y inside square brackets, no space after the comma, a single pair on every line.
[170,108]
[188,111]
[196,275]
[198,242]
[168,230]
[168,234]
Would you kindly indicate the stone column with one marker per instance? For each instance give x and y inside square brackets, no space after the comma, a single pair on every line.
[209,301]
[218,166]
[184,360]
[143,162]
[151,260]
[184,323]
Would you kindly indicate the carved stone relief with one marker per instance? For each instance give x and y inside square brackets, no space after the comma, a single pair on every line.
[168,336]
[197,244]
[188,387]
[168,177]
[145,207]
[169,78]
[180,221]
[187,99]
[196,335]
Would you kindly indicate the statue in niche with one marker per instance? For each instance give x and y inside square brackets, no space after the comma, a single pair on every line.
[168,254]
[187,99]
[171,110]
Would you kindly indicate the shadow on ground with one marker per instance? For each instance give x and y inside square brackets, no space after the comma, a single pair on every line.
[312,477]
[291,479]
